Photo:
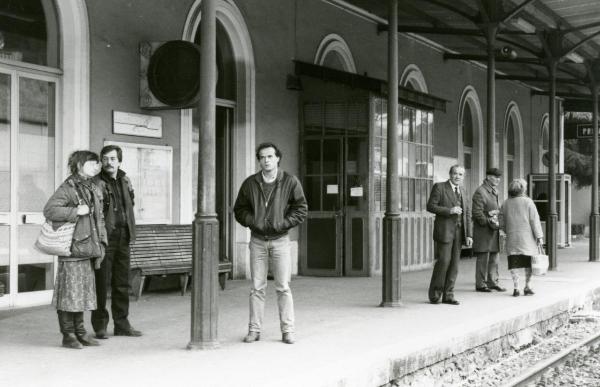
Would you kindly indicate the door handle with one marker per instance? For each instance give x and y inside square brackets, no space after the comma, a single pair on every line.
[32,218]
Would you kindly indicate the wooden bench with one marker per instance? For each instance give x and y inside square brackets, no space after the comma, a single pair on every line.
[163,249]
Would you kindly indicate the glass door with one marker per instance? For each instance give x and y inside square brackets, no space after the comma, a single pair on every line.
[322,233]
[356,209]
[27,179]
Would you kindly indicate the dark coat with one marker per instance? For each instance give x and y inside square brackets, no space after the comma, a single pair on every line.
[270,218]
[485,232]
[441,200]
[110,197]
[62,208]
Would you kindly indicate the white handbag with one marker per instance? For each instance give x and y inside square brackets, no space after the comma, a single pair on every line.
[55,242]
[539,262]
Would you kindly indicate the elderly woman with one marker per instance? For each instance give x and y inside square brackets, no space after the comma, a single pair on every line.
[520,221]
[78,200]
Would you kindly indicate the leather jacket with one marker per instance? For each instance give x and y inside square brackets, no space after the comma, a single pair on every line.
[272,217]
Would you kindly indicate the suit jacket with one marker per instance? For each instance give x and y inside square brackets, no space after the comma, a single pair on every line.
[485,233]
[441,200]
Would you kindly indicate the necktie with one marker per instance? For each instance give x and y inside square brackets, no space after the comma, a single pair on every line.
[457,194]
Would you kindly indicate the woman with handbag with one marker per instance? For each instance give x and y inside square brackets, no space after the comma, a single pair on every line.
[78,200]
[520,221]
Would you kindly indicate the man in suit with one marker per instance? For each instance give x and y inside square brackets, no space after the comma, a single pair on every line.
[449,202]
[486,238]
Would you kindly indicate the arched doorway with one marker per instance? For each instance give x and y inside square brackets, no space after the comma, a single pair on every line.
[470,139]
[44,115]
[235,128]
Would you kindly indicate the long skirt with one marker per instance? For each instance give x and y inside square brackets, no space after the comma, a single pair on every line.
[75,287]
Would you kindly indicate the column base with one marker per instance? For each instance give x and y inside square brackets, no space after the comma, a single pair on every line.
[203,346]
[395,304]
[392,232]
[205,308]
[594,242]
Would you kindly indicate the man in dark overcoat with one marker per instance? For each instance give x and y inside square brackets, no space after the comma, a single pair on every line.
[449,202]
[486,237]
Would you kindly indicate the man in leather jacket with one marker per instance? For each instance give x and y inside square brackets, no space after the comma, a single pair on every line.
[270,203]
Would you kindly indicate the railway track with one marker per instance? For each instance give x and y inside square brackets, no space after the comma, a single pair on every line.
[537,370]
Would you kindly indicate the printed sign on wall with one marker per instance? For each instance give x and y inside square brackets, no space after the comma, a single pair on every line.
[137,124]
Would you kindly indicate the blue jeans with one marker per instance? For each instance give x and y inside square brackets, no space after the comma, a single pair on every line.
[278,251]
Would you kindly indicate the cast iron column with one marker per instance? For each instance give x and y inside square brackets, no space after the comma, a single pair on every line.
[552,218]
[391,220]
[206,226]
[490,32]
[594,215]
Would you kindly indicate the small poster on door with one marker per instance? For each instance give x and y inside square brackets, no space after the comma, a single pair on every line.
[332,189]
[356,192]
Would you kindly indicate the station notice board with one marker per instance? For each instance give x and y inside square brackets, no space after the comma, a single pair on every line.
[150,169]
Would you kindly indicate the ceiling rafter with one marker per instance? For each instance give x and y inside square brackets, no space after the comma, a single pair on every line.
[515,11]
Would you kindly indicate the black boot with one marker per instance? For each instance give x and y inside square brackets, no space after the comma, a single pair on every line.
[82,336]
[65,322]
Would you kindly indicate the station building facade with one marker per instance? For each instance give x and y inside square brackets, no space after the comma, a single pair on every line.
[289,72]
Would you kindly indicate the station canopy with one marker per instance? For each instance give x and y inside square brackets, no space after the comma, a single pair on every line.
[529,33]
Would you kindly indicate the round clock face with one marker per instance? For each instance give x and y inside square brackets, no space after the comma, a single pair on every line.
[174,73]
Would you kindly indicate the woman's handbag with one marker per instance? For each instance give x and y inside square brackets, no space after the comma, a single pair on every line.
[55,242]
[539,262]
[84,244]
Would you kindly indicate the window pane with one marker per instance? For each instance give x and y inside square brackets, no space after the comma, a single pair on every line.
[430,130]
[331,156]
[467,129]
[312,154]
[4,142]
[331,193]
[4,267]
[36,143]
[312,190]
[28,33]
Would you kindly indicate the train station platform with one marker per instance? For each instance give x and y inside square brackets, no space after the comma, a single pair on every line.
[343,337]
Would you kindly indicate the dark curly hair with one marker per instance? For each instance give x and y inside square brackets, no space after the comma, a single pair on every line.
[80,157]
[266,145]
[110,148]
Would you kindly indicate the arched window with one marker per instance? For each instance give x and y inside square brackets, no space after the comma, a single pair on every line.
[470,140]
[510,151]
[29,32]
[543,144]
[413,78]
[334,52]
[512,145]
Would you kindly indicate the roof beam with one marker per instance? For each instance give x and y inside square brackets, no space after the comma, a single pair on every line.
[581,42]
[447,31]
[581,28]
[563,95]
[526,78]
[512,13]
[483,58]
[452,8]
